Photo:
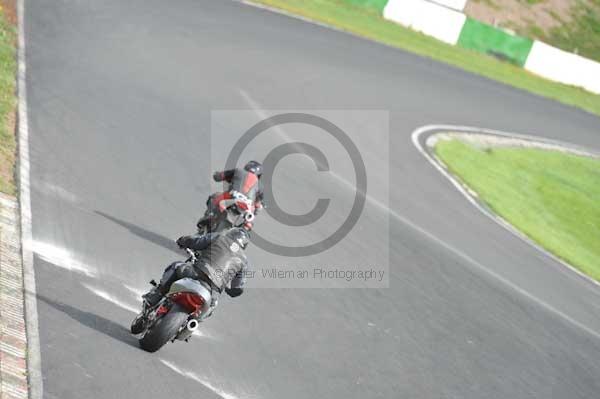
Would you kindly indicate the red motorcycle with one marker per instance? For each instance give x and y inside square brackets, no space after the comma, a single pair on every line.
[176,316]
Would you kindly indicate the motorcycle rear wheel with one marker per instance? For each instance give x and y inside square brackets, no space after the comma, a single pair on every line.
[164,329]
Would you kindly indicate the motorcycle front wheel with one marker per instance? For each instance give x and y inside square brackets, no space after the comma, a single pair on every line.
[164,329]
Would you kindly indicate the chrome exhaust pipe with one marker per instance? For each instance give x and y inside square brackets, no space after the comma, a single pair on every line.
[192,325]
[188,330]
[248,216]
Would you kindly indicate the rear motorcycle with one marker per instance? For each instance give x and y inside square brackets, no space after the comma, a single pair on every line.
[176,316]
[226,210]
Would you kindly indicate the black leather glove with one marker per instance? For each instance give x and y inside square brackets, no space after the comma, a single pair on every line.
[217,176]
[234,292]
[180,241]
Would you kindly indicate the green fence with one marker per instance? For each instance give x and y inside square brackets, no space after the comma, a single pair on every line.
[487,39]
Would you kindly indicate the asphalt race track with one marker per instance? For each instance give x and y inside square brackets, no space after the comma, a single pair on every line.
[120,95]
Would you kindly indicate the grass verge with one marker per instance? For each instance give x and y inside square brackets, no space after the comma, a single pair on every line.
[367,23]
[552,197]
[7,104]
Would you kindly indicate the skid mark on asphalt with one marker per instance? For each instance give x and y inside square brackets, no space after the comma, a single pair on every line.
[61,257]
[193,376]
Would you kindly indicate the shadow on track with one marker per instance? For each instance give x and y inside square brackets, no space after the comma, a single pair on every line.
[93,321]
[143,233]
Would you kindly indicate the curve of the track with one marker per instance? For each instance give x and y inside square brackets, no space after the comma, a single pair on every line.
[119,100]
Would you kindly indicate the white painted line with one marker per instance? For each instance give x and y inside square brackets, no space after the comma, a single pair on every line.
[288,14]
[203,334]
[401,218]
[203,381]
[134,291]
[430,128]
[281,11]
[110,298]
[494,140]
[259,110]
[61,257]
[57,191]
[34,369]
[138,294]
[471,129]
[106,296]
[467,192]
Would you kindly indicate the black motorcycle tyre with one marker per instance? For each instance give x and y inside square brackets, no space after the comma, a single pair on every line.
[164,329]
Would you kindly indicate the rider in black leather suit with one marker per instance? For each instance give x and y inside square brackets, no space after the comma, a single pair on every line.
[221,262]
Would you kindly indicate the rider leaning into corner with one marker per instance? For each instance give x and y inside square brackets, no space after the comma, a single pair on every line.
[245,181]
[221,263]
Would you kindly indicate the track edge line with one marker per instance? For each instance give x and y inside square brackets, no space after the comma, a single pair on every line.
[463,188]
[34,372]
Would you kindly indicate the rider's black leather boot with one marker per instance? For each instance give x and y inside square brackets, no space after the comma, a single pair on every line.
[152,297]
